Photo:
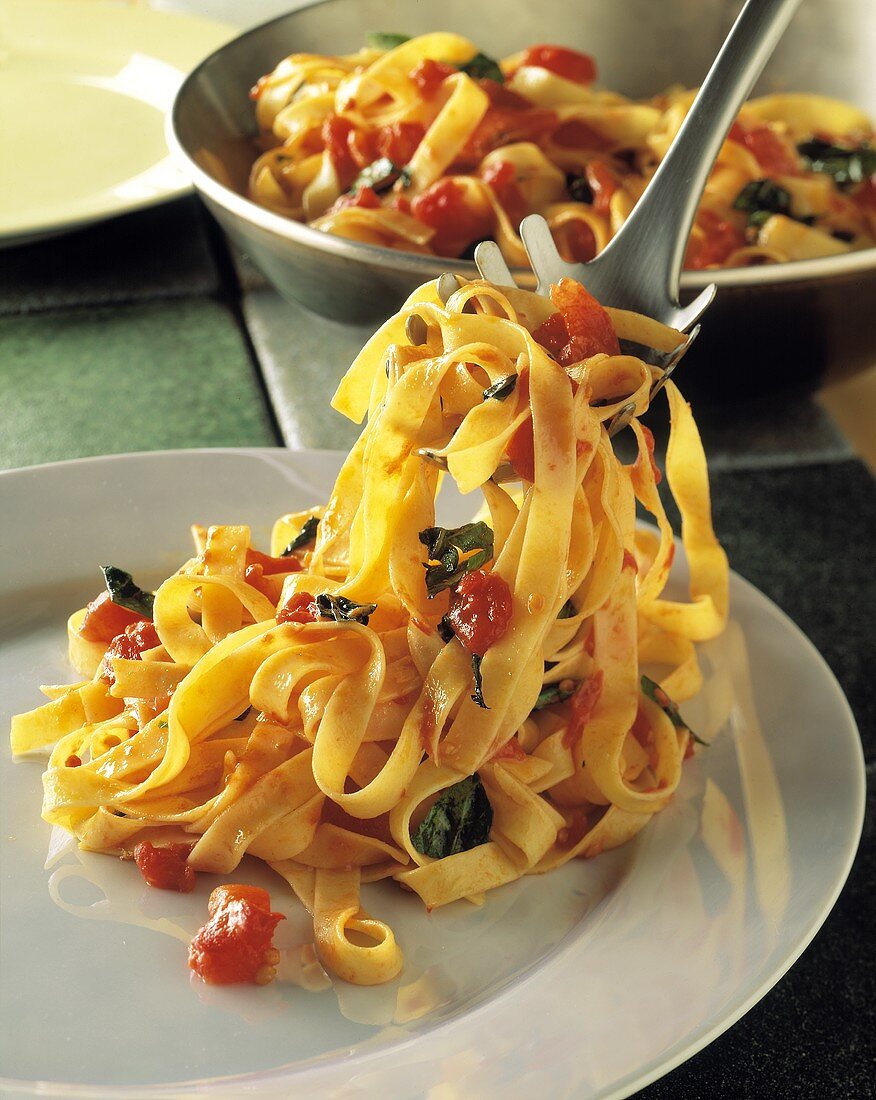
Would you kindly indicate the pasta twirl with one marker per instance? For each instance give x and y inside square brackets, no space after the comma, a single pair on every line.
[426,145]
[382,697]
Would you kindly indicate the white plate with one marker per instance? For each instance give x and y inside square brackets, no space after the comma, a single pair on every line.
[85,87]
[590,981]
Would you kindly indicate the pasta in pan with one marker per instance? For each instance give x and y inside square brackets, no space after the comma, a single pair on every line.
[427,145]
[381,697]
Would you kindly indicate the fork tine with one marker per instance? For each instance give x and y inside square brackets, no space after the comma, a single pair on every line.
[695,309]
[491,264]
[673,363]
[548,265]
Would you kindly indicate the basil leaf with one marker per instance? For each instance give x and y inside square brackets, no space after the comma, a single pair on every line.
[501,388]
[385,40]
[305,537]
[380,175]
[847,166]
[478,695]
[446,545]
[341,610]
[459,820]
[481,67]
[656,694]
[760,199]
[124,592]
[445,630]
[568,610]
[553,693]
[579,189]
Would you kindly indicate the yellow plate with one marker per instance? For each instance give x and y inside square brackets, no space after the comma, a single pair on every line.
[84,87]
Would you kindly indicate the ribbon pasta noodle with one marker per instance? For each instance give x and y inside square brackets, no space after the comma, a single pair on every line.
[381,697]
[427,145]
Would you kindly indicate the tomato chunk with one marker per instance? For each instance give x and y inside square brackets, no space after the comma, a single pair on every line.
[504,126]
[773,153]
[569,64]
[130,644]
[720,240]
[588,327]
[364,196]
[456,221]
[302,608]
[288,564]
[429,75]
[165,868]
[335,135]
[104,620]
[235,945]
[502,178]
[603,183]
[577,243]
[399,141]
[500,95]
[577,134]
[579,707]
[480,610]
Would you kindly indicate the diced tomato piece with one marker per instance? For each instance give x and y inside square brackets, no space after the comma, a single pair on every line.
[504,126]
[578,244]
[365,197]
[569,64]
[579,707]
[399,141]
[130,644]
[771,150]
[552,334]
[302,608]
[363,147]
[235,945]
[165,868]
[719,241]
[480,610]
[456,222]
[865,196]
[603,183]
[401,203]
[577,134]
[104,620]
[429,75]
[589,327]
[254,575]
[502,178]
[335,135]
[288,564]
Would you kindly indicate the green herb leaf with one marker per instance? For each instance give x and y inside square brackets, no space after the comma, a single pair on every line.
[380,175]
[305,537]
[501,388]
[760,199]
[553,693]
[385,40]
[568,610]
[481,67]
[446,546]
[445,630]
[341,610]
[579,189]
[459,820]
[848,166]
[478,694]
[124,592]
[656,694]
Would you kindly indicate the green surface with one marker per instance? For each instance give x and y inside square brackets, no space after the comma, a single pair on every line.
[137,378]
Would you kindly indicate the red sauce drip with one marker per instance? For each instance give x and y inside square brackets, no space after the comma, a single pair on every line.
[165,868]
[480,610]
[235,945]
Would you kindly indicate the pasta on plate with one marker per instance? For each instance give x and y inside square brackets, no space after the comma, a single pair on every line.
[427,145]
[382,697]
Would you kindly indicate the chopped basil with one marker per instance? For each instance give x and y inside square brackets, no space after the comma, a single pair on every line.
[760,199]
[386,40]
[445,630]
[653,691]
[501,388]
[342,610]
[478,695]
[459,820]
[305,537]
[241,717]
[124,592]
[847,166]
[568,611]
[446,546]
[553,693]
[579,189]
[481,67]
[380,175]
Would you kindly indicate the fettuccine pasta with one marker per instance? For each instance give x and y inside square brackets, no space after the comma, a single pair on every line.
[382,697]
[426,145]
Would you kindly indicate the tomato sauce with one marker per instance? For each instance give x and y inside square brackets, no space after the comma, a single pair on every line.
[130,644]
[580,706]
[502,178]
[773,153]
[165,868]
[236,943]
[429,75]
[720,240]
[480,610]
[302,608]
[456,222]
[569,64]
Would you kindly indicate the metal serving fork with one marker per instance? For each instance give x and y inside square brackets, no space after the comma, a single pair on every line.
[640,268]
